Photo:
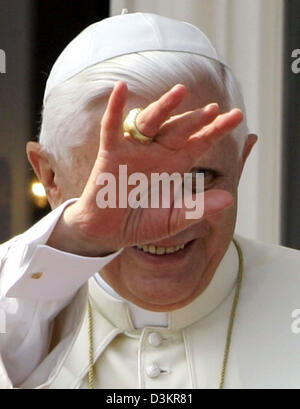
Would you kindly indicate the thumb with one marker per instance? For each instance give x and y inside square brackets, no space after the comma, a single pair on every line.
[209,203]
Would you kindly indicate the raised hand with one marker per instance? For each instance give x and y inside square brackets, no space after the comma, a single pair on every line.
[179,141]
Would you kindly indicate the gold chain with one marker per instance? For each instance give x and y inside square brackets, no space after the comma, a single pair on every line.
[91,373]
[232,315]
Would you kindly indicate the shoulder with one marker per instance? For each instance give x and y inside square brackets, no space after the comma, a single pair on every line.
[5,247]
[271,279]
[266,340]
[272,258]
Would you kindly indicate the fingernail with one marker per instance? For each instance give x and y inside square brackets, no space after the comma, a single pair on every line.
[118,83]
[177,86]
[209,107]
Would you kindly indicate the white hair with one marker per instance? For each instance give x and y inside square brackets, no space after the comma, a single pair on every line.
[69,113]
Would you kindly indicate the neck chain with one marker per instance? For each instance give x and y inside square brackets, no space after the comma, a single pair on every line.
[91,373]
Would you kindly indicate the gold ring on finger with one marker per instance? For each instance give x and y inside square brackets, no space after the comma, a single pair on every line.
[130,127]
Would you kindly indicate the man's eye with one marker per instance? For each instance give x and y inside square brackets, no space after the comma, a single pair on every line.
[210,176]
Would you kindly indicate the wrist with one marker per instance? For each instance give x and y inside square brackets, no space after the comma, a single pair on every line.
[70,235]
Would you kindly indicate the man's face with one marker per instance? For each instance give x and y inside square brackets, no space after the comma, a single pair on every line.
[170,281]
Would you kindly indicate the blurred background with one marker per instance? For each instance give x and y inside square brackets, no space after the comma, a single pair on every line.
[257,38]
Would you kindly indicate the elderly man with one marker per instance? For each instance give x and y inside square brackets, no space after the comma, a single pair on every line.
[102,296]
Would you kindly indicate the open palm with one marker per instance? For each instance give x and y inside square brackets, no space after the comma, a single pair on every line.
[179,142]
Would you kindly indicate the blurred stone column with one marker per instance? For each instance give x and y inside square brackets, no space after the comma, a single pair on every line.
[15,115]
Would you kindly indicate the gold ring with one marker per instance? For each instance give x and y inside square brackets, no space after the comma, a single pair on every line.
[129,126]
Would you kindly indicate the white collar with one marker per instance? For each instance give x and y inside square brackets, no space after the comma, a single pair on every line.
[140,317]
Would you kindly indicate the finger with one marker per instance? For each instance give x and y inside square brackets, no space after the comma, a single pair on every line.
[224,124]
[112,120]
[215,202]
[174,133]
[151,118]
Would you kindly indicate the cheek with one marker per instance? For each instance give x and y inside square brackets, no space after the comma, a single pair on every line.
[216,227]
[223,224]
[73,182]
[81,176]
[80,170]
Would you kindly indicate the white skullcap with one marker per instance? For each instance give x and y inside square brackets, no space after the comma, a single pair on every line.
[126,34]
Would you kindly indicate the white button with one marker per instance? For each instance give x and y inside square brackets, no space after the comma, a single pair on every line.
[153,371]
[155,339]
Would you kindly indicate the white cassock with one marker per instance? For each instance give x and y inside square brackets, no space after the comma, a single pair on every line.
[46,343]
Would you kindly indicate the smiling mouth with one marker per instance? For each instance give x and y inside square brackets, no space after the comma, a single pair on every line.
[161,251]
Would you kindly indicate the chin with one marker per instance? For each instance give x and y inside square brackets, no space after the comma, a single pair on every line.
[170,281]
[168,291]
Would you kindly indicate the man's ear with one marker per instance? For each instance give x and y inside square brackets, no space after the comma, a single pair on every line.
[250,142]
[43,168]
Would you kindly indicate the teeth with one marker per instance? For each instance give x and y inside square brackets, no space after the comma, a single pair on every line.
[160,250]
[152,249]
